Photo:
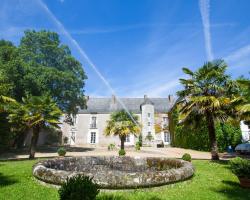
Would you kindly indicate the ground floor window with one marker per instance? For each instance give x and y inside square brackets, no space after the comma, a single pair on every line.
[127,138]
[166,137]
[93,137]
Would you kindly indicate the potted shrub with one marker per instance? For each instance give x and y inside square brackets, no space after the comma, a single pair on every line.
[137,146]
[186,157]
[111,147]
[122,152]
[61,151]
[241,168]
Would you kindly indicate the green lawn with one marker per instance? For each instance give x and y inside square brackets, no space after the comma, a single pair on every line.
[211,181]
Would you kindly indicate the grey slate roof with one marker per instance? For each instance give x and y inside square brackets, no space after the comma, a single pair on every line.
[109,105]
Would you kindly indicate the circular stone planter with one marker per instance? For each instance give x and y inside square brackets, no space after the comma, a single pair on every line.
[115,172]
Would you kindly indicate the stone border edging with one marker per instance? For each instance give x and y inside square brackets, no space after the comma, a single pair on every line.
[112,178]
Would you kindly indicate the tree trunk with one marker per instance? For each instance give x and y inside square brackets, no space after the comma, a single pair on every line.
[212,136]
[123,138]
[34,139]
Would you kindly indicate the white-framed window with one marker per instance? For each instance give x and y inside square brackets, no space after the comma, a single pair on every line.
[165,119]
[149,124]
[93,122]
[73,137]
[93,137]
[166,137]
[149,115]
[127,138]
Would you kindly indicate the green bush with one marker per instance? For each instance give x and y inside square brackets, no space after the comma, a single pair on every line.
[190,137]
[65,140]
[137,146]
[240,167]
[111,147]
[122,152]
[186,157]
[61,151]
[149,137]
[79,187]
[140,140]
[52,137]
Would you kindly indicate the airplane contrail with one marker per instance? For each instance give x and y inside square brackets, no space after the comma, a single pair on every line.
[204,9]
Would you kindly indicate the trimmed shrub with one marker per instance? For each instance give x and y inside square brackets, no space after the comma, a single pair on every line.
[52,138]
[137,146]
[186,157]
[140,140]
[79,187]
[111,147]
[65,140]
[122,152]
[190,137]
[61,151]
[240,167]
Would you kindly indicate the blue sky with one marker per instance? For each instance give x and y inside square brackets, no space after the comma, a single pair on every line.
[138,46]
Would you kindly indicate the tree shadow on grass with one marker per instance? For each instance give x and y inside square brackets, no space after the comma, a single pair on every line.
[107,196]
[224,163]
[14,153]
[221,162]
[110,197]
[233,190]
[6,180]
[53,149]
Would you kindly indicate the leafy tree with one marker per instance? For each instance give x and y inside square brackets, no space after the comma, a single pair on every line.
[36,112]
[4,101]
[122,124]
[40,66]
[207,93]
[52,70]
[12,71]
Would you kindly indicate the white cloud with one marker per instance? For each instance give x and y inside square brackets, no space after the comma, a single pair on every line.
[204,9]
[238,54]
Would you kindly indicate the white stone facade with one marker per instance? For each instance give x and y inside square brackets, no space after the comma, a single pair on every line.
[245,129]
[89,126]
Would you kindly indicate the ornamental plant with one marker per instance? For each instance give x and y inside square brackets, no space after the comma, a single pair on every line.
[61,151]
[240,167]
[186,157]
[111,147]
[79,187]
[137,146]
[122,152]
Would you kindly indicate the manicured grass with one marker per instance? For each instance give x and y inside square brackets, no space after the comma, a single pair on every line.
[211,181]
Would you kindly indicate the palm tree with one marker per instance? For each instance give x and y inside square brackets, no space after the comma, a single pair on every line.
[208,94]
[122,123]
[4,100]
[243,103]
[36,112]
